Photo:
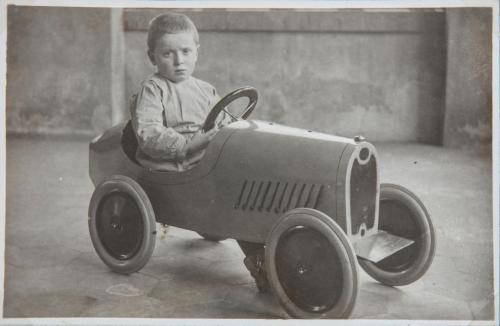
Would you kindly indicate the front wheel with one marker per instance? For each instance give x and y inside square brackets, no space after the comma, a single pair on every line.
[122,224]
[311,266]
[401,213]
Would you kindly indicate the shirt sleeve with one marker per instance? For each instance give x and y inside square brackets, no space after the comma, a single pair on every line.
[154,138]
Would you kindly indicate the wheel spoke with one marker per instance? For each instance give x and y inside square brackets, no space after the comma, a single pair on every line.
[235,118]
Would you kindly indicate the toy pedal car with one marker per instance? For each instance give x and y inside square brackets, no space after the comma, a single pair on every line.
[314,200]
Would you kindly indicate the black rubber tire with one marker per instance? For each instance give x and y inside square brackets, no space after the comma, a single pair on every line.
[113,229]
[411,263]
[324,281]
[211,237]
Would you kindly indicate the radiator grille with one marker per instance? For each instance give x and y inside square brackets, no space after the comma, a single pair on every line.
[277,197]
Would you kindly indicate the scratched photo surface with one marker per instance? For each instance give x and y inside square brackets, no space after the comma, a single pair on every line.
[416,83]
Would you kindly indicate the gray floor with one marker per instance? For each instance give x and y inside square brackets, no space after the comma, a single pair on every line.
[52,269]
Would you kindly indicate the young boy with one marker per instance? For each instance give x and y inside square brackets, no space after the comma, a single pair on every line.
[169,111]
[172,105]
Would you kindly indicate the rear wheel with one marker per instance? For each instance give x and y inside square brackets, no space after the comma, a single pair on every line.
[401,213]
[122,224]
[311,266]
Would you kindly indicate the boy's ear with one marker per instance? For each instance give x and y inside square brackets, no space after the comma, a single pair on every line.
[151,57]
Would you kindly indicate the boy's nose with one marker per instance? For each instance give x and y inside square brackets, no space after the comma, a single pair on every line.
[178,59]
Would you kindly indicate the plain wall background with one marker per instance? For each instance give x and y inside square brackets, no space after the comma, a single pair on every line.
[58,67]
[376,74]
[393,75]
[468,83]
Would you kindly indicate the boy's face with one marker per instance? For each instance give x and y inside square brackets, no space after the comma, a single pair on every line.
[175,56]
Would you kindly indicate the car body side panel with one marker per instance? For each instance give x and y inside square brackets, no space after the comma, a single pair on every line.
[251,174]
[259,175]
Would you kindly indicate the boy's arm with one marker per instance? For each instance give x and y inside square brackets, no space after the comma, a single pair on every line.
[155,140]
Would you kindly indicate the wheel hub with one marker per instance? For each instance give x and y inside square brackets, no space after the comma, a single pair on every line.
[115,224]
[303,269]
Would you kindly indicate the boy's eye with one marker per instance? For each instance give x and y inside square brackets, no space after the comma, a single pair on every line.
[186,51]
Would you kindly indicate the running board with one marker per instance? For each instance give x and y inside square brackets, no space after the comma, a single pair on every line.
[380,245]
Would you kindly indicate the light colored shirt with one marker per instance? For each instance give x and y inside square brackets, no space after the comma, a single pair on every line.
[165,116]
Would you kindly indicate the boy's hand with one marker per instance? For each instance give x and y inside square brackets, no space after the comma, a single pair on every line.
[211,133]
[202,139]
[207,137]
[198,142]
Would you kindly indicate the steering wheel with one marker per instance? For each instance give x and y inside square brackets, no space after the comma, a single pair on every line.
[247,91]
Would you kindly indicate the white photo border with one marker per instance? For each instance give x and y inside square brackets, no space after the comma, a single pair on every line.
[276,4]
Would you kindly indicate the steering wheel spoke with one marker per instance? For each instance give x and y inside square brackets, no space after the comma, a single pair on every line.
[232,116]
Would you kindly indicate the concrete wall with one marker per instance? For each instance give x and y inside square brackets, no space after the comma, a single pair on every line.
[468,83]
[378,74]
[58,70]
[386,75]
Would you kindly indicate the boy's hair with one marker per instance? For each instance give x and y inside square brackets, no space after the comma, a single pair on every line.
[170,23]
